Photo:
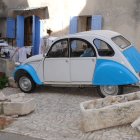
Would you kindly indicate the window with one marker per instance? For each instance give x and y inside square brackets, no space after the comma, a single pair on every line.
[81,48]
[59,49]
[104,49]
[88,25]
[121,42]
[84,23]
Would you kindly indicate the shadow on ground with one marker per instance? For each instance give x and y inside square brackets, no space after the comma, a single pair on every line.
[81,91]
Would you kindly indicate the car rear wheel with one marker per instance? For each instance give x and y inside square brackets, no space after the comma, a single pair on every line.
[26,83]
[105,91]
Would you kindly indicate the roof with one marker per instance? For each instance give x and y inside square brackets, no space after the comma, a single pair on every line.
[103,33]
[42,12]
[97,33]
[29,8]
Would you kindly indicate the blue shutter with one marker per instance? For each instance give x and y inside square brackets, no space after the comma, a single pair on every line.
[73,25]
[96,23]
[36,35]
[10,28]
[41,36]
[41,28]
[20,31]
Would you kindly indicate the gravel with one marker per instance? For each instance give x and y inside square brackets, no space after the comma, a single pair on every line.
[57,116]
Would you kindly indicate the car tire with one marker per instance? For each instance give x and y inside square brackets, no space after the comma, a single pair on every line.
[105,91]
[26,83]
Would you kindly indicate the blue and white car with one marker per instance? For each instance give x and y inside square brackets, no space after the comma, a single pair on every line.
[94,58]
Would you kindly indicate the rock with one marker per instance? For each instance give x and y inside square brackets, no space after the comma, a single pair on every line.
[5,121]
[2,97]
[1,108]
[132,97]
[136,123]
[107,101]
[16,97]
[19,107]
[12,83]
[94,104]
[138,128]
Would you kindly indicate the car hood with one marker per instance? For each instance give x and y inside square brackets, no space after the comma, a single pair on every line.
[34,59]
[133,56]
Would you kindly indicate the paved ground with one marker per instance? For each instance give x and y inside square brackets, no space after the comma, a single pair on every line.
[57,116]
[10,136]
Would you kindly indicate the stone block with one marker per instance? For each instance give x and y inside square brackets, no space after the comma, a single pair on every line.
[22,106]
[7,66]
[2,97]
[136,123]
[1,108]
[12,82]
[16,97]
[5,121]
[111,111]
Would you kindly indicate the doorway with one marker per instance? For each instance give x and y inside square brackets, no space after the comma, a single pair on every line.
[28,32]
[28,23]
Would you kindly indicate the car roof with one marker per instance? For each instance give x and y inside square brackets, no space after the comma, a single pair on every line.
[96,33]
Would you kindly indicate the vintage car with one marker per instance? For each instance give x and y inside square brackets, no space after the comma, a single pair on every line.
[100,58]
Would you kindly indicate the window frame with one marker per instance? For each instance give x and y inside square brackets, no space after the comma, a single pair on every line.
[124,39]
[64,39]
[70,49]
[109,46]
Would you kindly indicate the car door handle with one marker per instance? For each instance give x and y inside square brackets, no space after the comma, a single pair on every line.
[66,61]
[92,60]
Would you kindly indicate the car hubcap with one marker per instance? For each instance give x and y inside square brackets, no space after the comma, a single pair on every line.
[25,83]
[109,90]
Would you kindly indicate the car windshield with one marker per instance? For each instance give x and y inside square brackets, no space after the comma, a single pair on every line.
[121,41]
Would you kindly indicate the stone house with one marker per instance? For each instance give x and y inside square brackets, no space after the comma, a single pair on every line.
[27,21]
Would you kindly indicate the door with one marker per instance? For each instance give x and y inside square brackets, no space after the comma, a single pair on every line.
[73,25]
[36,35]
[20,31]
[10,28]
[82,61]
[57,64]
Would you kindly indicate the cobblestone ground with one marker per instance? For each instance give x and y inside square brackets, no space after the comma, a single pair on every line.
[57,116]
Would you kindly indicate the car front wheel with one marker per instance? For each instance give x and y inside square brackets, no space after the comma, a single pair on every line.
[26,83]
[105,91]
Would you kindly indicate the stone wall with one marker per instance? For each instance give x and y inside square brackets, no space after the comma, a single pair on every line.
[7,66]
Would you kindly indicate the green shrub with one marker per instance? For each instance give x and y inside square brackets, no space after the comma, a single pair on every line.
[3,81]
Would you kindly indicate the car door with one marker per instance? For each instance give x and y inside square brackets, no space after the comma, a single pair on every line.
[56,64]
[82,61]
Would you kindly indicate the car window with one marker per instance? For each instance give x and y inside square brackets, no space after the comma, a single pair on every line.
[59,49]
[81,48]
[104,49]
[121,41]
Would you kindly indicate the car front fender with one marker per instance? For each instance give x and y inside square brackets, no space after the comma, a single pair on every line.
[108,72]
[30,70]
